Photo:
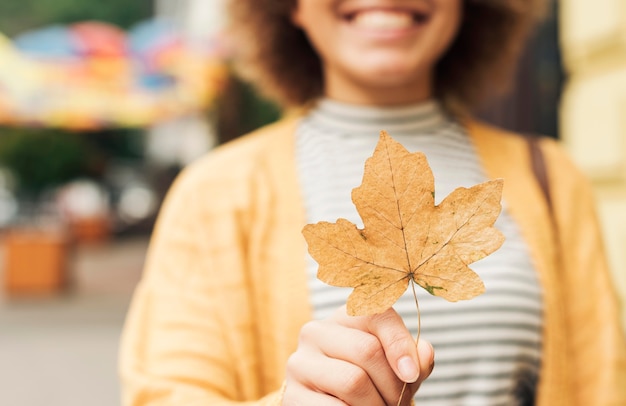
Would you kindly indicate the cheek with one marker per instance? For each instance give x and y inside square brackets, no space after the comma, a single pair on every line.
[315,24]
[452,20]
[445,31]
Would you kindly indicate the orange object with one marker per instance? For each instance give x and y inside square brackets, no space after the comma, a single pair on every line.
[35,262]
[91,230]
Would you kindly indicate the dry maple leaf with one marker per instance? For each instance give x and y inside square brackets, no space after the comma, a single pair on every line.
[405,236]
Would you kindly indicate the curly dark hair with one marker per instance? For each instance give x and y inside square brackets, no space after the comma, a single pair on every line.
[278,58]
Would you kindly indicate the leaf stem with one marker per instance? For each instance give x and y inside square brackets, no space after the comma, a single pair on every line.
[419,330]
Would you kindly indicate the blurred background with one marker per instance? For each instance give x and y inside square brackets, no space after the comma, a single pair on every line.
[102,105]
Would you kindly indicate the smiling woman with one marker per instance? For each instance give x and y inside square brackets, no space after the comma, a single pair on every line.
[378,52]
[478,64]
[231,310]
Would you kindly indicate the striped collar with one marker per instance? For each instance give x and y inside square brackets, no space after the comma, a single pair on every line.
[352,118]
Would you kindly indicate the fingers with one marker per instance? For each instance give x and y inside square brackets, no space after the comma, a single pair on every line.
[314,374]
[397,343]
[357,348]
[356,360]
[426,355]
[298,395]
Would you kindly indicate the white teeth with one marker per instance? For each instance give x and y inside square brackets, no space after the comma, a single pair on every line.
[383,19]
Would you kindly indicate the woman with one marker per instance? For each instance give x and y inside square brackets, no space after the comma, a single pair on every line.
[229,310]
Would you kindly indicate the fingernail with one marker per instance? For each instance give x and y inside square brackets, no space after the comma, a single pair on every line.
[408,369]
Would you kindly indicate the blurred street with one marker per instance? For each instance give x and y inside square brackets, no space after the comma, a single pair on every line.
[62,350]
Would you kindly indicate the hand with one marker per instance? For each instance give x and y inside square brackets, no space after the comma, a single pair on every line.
[348,360]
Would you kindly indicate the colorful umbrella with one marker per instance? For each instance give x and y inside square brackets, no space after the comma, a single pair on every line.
[92,75]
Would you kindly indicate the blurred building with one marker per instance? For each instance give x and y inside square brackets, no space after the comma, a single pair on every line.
[197,18]
[593,112]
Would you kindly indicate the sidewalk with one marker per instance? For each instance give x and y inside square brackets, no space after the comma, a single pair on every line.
[62,351]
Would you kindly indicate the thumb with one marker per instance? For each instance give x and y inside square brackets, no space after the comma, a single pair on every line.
[409,361]
[425,364]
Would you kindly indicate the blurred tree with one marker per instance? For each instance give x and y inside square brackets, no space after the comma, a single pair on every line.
[240,109]
[20,15]
[42,158]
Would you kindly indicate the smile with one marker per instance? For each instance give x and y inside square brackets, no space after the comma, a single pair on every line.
[386,19]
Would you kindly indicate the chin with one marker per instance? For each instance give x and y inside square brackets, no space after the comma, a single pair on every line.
[394,66]
[393,76]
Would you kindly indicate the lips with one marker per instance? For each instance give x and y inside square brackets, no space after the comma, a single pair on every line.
[384,19]
[374,16]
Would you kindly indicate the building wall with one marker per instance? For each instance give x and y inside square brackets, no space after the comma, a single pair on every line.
[593,112]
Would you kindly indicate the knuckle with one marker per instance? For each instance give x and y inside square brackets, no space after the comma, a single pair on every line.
[298,371]
[357,382]
[293,364]
[391,331]
[399,342]
[388,315]
[387,318]
[308,331]
[369,348]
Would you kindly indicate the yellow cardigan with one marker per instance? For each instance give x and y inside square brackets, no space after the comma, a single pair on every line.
[224,292]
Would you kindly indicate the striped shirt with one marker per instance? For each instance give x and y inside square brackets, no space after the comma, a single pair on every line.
[487,349]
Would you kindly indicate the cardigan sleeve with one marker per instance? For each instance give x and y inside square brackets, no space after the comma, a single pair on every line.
[182,342]
[597,346]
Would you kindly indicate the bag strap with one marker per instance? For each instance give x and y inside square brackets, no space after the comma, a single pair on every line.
[540,170]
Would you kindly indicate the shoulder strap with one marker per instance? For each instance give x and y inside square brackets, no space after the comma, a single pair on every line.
[539,168]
